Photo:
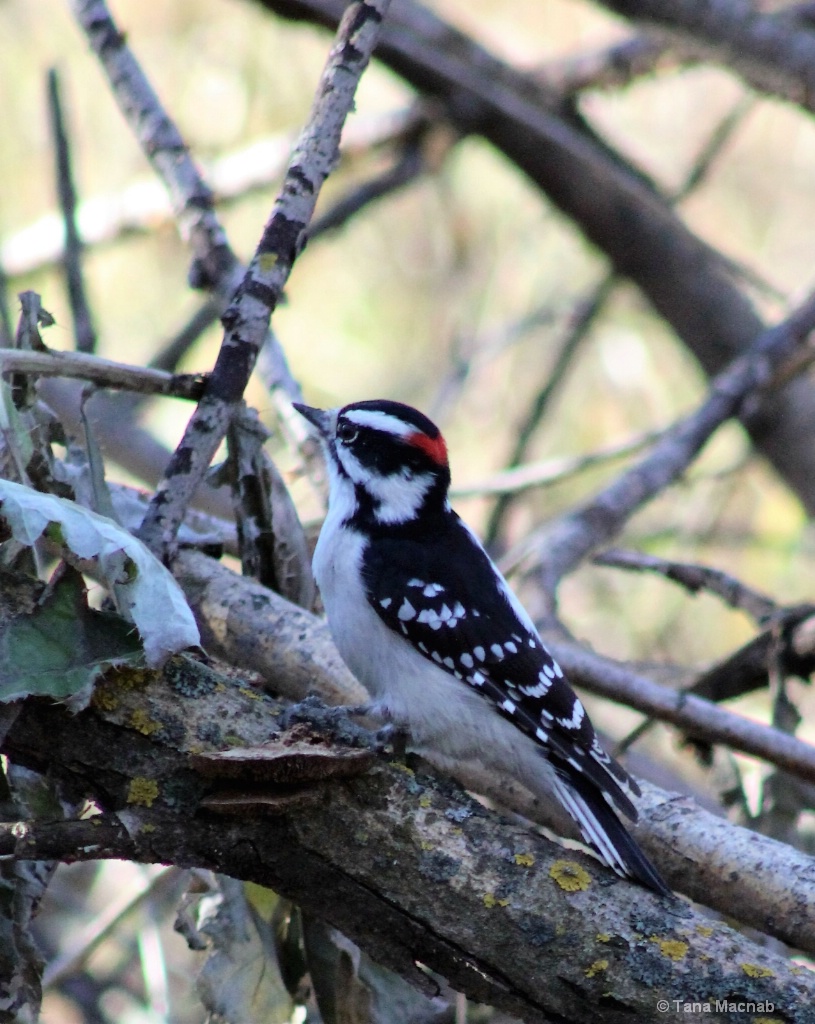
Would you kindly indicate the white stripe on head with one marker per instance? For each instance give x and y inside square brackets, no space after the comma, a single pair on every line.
[383,421]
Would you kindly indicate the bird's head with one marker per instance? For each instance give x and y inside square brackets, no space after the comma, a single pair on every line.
[388,457]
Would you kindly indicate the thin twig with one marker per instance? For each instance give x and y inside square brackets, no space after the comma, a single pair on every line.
[84,331]
[695,578]
[551,471]
[247,319]
[770,52]
[565,543]
[586,314]
[104,372]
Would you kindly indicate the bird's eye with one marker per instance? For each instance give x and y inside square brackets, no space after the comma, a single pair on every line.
[346,432]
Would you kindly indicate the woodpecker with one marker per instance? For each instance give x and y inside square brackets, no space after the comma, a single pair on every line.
[427,623]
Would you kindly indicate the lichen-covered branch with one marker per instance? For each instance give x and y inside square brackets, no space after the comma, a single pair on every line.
[292,650]
[407,866]
[247,318]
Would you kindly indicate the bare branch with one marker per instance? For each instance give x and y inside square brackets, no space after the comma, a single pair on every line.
[84,331]
[564,544]
[247,319]
[104,372]
[166,150]
[396,860]
[695,578]
[773,53]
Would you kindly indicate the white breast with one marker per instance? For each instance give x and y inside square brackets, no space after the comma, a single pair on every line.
[439,712]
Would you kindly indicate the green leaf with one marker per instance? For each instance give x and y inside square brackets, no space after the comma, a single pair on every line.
[62,647]
[145,591]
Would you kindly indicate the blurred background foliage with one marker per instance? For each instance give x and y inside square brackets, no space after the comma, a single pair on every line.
[454,294]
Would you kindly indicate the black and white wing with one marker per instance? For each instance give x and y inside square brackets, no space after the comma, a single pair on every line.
[448,600]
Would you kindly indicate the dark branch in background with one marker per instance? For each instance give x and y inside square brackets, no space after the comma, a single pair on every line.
[6,332]
[773,53]
[788,642]
[410,164]
[686,280]
[583,320]
[615,66]
[214,264]
[84,331]
[565,543]
[247,319]
[591,307]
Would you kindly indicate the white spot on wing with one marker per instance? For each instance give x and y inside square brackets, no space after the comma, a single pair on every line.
[578,714]
[480,653]
[386,602]
[467,660]
[407,611]
[498,651]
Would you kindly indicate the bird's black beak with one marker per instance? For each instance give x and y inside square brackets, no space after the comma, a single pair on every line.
[318,417]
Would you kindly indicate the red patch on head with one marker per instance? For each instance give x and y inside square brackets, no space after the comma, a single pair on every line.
[432,446]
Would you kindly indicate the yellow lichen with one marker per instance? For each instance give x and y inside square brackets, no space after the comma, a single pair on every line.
[596,968]
[524,860]
[142,722]
[244,691]
[704,929]
[148,827]
[267,261]
[425,845]
[603,937]
[105,697]
[142,792]
[425,801]
[570,876]
[491,900]
[756,971]
[673,949]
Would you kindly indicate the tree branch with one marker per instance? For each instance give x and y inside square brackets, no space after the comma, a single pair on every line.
[104,372]
[562,545]
[405,865]
[773,53]
[688,282]
[247,319]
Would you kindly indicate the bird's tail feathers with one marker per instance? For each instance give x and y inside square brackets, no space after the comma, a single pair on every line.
[605,834]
